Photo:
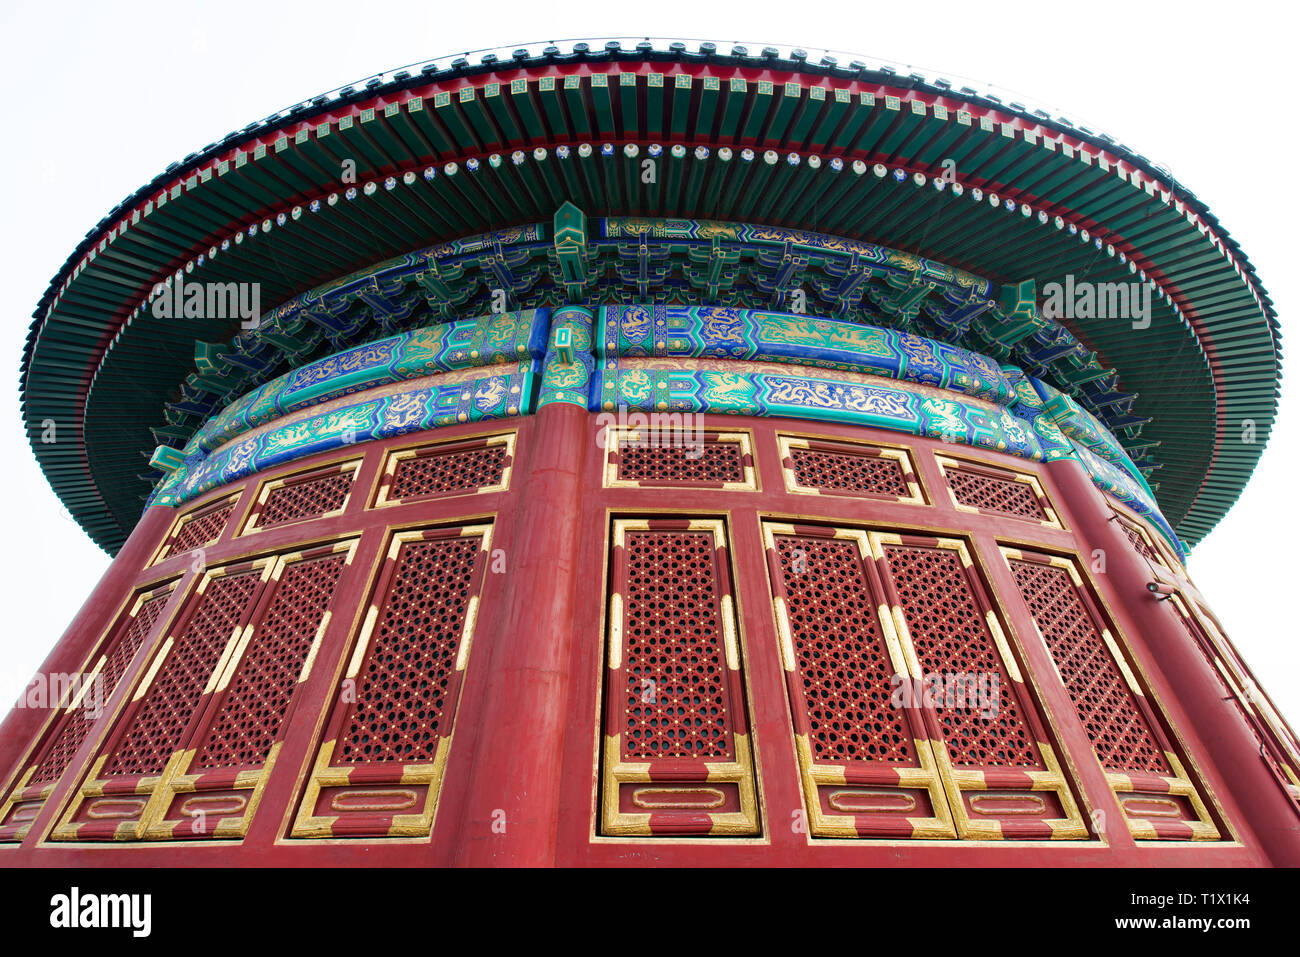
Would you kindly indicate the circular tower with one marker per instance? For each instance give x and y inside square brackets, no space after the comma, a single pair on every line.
[644,453]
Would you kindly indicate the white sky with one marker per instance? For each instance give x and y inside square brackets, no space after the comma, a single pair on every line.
[103,96]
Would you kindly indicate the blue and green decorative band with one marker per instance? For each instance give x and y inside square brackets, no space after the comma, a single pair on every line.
[768,389]
[569,363]
[635,261]
[431,402]
[1084,429]
[865,254]
[487,340]
[724,333]
[652,358]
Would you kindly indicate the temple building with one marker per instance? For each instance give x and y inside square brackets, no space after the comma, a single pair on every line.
[651,454]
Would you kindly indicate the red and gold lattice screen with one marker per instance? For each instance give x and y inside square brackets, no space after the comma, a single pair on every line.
[677,756]
[1156,794]
[868,768]
[445,469]
[1141,542]
[192,751]
[1277,746]
[198,528]
[911,716]
[852,469]
[379,771]
[980,488]
[320,493]
[122,779]
[664,458]
[215,787]
[1281,731]
[52,755]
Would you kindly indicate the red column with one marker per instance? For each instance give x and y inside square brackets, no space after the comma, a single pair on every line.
[1225,739]
[513,801]
[95,615]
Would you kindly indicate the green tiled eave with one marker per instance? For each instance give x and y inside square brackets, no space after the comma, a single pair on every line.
[654,97]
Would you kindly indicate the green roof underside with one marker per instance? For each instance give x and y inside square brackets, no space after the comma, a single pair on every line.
[473,111]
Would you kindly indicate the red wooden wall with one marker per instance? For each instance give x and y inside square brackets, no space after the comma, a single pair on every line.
[410,654]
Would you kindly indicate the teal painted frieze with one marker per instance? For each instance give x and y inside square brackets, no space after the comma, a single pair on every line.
[487,340]
[450,398]
[1121,486]
[768,389]
[568,366]
[727,333]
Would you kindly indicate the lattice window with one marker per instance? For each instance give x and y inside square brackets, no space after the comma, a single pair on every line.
[981,489]
[842,660]
[1119,732]
[213,789]
[950,633]
[1228,690]
[190,757]
[1141,544]
[847,468]
[392,724]
[163,715]
[67,732]
[401,692]
[675,699]
[1277,742]
[687,458]
[114,666]
[852,609]
[1124,730]
[321,493]
[670,617]
[152,728]
[198,529]
[249,720]
[447,469]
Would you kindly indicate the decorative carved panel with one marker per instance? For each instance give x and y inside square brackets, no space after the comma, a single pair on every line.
[198,528]
[379,771]
[76,718]
[911,716]
[191,753]
[1159,800]
[858,470]
[319,493]
[980,488]
[677,755]
[446,469]
[678,458]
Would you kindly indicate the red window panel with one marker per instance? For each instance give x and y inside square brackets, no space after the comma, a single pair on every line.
[149,738]
[1272,751]
[1158,798]
[1280,747]
[379,771]
[848,468]
[689,458]
[1141,542]
[1254,692]
[867,767]
[71,726]
[320,493]
[911,716]
[981,488]
[231,749]
[198,529]
[445,469]
[1004,777]
[677,754]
